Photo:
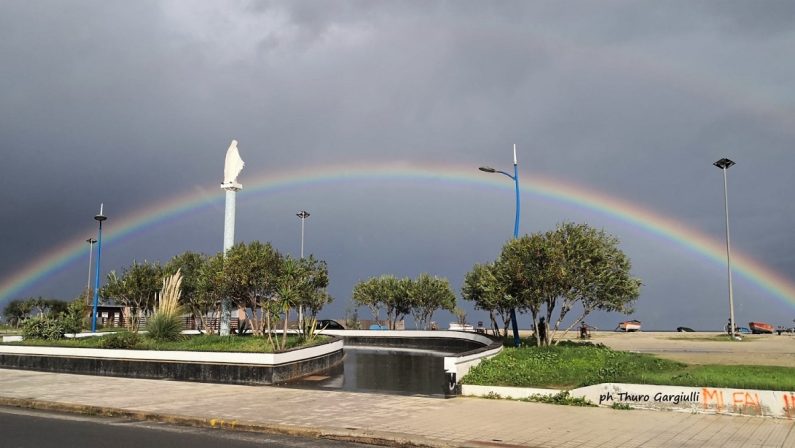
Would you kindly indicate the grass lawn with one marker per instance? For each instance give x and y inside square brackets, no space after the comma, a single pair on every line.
[198,343]
[577,365]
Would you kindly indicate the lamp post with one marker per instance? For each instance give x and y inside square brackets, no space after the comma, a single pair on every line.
[303,214]
[515,178]
[90,242]
[724,164]
[99,218]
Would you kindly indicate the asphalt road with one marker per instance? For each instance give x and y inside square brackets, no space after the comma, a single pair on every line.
[23,428]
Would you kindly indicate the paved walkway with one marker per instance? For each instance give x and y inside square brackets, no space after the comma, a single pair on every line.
[387,419]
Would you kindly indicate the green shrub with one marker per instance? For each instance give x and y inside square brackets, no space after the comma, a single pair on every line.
[164,327]
[122,339]
[43,327]
[72,318]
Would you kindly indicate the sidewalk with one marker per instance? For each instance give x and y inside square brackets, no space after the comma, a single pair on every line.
[387,419]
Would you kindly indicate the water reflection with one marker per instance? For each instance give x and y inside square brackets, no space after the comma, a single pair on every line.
[391,370]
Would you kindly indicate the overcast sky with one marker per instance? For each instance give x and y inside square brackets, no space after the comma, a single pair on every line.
[132,103]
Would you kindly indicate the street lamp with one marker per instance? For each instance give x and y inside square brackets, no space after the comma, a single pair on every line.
[99,218]
[303,214]
[90,242]
[724,164]
[515,178]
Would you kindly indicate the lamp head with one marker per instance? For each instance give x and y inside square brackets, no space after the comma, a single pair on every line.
[487,169]
[91,241]
[303,214]
[724,163]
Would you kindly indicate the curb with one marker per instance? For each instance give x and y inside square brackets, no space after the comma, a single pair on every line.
[354,435]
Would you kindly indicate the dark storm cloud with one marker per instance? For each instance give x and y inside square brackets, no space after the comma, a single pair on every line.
[129,103]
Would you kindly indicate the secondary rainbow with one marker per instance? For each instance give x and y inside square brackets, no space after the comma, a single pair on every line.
[539,186]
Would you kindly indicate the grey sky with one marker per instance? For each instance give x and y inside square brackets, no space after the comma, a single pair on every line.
[128,103]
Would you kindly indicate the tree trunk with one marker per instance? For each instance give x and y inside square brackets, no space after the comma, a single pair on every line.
[495,329]
[284,332]
[270,333]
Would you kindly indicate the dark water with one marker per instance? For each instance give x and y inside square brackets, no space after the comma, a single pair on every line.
[385,370]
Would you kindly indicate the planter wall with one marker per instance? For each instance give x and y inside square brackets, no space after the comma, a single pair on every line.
[229,368]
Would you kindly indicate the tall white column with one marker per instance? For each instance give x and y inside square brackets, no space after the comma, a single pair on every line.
[233,164]
[229,241]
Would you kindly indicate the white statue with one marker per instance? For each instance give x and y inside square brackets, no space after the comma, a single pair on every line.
[233,165]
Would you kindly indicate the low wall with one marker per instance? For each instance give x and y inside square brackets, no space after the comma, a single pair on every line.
[214,367]
[470,347]
[704,400]
[695,400]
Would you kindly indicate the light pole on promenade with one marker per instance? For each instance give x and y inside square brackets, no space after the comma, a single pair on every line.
[724,164]
[515,178]
[90,242]
[99,218]
[303,214]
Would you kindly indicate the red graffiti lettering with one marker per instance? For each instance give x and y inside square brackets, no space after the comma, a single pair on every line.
[712,394]
[789,405]
[742,400]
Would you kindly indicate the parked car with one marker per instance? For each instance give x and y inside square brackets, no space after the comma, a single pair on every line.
[328,324]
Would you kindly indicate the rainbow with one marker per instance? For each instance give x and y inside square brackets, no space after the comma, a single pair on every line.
[536,185]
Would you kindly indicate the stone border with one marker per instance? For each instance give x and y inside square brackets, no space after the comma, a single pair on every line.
[215,367]
[694,400]
[479,347]
[252,368]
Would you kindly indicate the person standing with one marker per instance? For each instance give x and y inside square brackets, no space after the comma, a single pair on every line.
[543,335]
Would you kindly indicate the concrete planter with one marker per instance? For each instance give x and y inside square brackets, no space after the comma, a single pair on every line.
[213,367]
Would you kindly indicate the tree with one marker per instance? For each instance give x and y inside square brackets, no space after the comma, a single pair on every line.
[526,266]
[136,288]
[595,273]
[571,265]
[385,291]
[194,289]
[206,302]
[16,311]
[365,293]
[314,295]
[290,285]
[482,287]
[250,275]
[428,294]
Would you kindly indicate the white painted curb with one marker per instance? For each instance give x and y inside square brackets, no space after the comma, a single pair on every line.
[694,400]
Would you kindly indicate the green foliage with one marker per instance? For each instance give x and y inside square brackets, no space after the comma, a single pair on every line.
[203,343]
[189,264]
[73,316]
[482,287]
[554,271]
[563,367]
[249,274]
[562,398]
[621,406]
[136,288]
[164,327]
[120,340]
[387,292]
[428,294]
[577,365]
[16,311]
[399,297]
[43,327]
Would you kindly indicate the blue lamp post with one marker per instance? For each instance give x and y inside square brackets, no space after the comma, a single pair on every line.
[100,217]
[515,179]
